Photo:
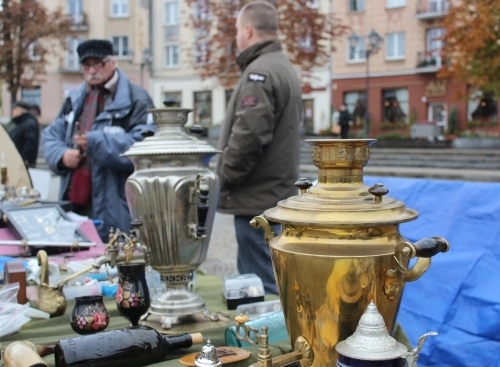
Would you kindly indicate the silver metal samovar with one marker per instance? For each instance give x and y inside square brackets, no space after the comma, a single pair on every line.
[172,196]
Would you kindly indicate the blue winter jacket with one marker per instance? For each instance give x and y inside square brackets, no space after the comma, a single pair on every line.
[113,132]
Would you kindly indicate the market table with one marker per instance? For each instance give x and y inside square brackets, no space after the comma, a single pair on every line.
[47,332]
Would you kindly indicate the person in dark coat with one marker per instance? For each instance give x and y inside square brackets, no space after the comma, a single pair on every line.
[345,120]
[97,123]
[260,136]
[25,133]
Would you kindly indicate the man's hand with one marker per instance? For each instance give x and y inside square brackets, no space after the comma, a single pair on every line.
[81,140]
[71,158]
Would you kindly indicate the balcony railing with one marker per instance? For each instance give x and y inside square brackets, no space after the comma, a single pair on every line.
[428,62]
[79,22]
[432,9]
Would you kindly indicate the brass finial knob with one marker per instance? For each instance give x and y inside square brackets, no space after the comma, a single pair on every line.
[378,190]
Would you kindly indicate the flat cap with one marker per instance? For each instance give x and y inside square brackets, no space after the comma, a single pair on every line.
[95,48]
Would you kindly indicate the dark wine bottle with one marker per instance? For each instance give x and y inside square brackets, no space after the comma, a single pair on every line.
[128,347]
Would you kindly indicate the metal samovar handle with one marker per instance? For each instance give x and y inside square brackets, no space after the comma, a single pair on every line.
[261,222]
[423,249]
[302,351]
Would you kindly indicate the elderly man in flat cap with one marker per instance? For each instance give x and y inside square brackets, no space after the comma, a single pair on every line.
[97,122]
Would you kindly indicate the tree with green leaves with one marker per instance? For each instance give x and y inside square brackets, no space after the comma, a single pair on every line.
[304,31]
[28,34]
[471,48]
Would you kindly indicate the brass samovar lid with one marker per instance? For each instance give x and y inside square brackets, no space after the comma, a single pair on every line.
[340,198]
[371,340]
[171,136]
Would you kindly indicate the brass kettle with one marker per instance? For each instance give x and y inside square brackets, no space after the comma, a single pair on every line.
[340,248]
[51,299]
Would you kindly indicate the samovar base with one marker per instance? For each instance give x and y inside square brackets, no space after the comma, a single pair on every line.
[176,303]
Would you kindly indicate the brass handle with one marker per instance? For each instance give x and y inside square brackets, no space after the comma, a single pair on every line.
[428,247]
[424,249]
[261,222]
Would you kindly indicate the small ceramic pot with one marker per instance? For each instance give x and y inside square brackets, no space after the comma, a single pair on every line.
[89,315]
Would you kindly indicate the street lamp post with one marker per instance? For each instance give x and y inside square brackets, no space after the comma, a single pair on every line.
[374,41]
[146,61]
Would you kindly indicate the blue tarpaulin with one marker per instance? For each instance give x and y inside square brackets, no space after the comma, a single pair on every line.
[459,296]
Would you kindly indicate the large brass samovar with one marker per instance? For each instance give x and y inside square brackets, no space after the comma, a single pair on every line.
[340,248]
[172,196]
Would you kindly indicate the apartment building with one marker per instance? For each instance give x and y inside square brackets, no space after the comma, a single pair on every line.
[402,85]
[123,22]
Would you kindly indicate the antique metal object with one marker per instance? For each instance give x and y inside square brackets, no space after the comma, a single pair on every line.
[174,194]
[371,344]
[208,357]
[51,299]
[302,349]
[349,234]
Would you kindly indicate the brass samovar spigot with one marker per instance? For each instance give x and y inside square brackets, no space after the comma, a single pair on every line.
[121,247]
[302,351]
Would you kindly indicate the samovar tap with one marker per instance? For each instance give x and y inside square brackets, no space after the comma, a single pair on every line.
[302,351]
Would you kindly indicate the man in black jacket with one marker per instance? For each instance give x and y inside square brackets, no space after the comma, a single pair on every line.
[345,120]
[260,136]
[25,133]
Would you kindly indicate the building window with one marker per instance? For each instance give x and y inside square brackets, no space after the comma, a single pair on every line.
[396,3]
[171,14]
[356,105]
[308,115]
[119,8]
[396,105]
[481,107]
[120,46]
[171,56]
[356,5]
[434,43]
[175,96]
[75,11]
[395,46]
[171,33]
[203,108]
[201,53]
[357,53]
[72,60]
[438,6]
[33,51]
[32,95]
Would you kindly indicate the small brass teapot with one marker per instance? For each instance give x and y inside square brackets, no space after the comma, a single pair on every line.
[51,299]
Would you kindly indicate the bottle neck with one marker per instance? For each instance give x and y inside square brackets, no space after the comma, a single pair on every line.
[173,342]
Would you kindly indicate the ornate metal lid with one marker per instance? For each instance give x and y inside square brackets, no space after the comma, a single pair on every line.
[371,340]
[208,357]
[171,136]
[340,198]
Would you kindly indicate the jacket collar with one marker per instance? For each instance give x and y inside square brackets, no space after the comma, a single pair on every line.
[21,118]
[121,99]
[256,50]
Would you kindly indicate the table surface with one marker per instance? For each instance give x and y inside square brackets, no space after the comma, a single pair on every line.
[47,332]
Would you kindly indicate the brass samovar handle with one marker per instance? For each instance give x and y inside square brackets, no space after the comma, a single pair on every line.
[424,249]
[261,222]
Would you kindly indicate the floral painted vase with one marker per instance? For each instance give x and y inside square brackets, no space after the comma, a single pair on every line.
[132,297]
[89,315]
